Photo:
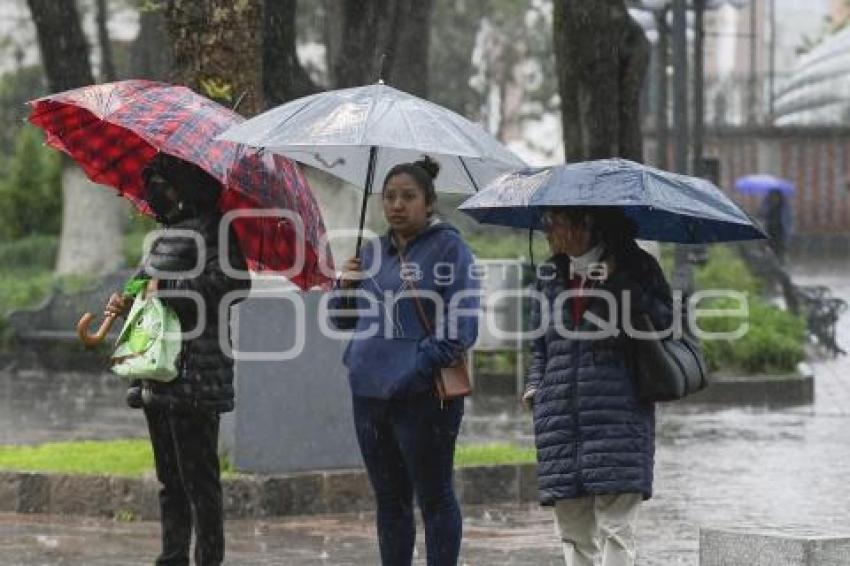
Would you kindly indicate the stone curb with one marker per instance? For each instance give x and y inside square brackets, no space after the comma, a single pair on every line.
[244,496]
[788,390]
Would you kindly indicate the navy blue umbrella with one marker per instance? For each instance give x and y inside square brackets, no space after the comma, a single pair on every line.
[663,206]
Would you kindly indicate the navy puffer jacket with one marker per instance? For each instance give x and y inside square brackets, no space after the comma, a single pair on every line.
[593,435]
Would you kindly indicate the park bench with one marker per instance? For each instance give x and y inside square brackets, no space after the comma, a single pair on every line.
[814,303]
[55,319]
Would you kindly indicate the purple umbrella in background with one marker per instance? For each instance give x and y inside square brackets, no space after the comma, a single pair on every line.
[763,184]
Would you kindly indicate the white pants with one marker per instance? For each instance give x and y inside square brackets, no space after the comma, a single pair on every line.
[598,530]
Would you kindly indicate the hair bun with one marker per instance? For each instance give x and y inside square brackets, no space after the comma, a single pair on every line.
[429,166]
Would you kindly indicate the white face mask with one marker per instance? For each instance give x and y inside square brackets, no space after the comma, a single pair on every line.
[581,265]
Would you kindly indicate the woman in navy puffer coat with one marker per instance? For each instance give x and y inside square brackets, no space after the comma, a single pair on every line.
[595,438]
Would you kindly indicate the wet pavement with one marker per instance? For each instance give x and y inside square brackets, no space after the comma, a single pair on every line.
[757,468]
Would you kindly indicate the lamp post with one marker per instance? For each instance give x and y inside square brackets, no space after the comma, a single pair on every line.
[680,86]
[772,69]
[699,86]
[662,133]
[684,137]
[752,91]
[682,270]
[659,10]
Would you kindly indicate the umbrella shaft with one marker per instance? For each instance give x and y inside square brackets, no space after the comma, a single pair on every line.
[370,173]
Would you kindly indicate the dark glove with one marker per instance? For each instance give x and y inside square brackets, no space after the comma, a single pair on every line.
[134,395]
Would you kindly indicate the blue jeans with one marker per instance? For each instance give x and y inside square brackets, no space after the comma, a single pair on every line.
[408,446]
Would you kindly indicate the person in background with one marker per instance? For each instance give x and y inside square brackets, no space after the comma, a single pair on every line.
[778,221]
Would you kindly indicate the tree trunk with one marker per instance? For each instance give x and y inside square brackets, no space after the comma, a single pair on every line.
[455,25]
[634,62]
[64,51]
[93,222]
[372,28]
[150,54]
[107,66]
[356,60]
[284,78]
[602,56]
[332,37]
[217,49]
[407,48]
[85,246]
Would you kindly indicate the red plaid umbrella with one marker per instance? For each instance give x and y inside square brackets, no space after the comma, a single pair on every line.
[113,130]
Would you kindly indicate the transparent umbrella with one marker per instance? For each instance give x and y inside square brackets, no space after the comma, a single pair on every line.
[359,134]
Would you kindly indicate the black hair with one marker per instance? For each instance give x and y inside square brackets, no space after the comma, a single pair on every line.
[608,224]
[423,171]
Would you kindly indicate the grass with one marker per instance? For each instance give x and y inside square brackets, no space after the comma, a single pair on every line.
[135,458]
[114,457]
[493,454]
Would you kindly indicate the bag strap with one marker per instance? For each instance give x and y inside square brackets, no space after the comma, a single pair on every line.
[420,310]
[423,318]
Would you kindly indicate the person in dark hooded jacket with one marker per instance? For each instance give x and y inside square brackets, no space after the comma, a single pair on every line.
[183,414]
[595,436]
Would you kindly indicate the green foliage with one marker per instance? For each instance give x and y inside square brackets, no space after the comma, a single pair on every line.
[31,253]
[773,343]
[495,363]
[16,88]
[225,465]
[134,239]
[217,89]
[725,270]
[30,192]
[21,289]
[125,516]
[666,260]
[150,5]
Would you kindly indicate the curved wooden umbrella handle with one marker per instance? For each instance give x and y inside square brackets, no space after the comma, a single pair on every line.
[97,337]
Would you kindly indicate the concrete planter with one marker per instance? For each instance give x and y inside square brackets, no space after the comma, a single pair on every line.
[721,547]
[247,496]
[792,389]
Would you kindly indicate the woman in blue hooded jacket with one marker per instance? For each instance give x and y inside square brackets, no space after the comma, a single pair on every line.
[406,434]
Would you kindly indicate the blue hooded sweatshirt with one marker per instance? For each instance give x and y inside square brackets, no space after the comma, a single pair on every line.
[391,352]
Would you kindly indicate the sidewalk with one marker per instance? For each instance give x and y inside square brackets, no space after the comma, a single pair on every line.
[502,535]
[493,535]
